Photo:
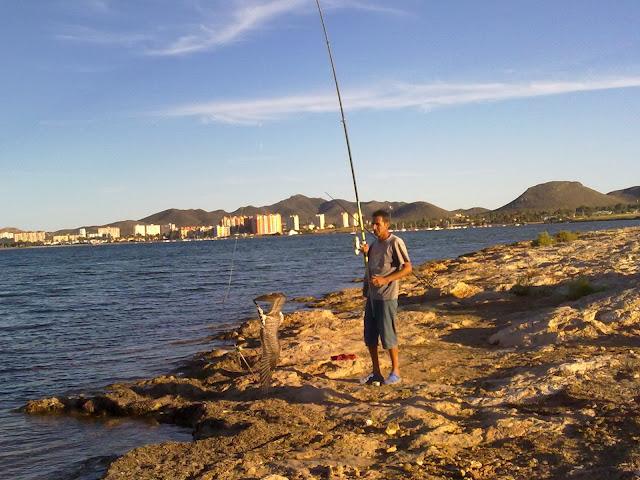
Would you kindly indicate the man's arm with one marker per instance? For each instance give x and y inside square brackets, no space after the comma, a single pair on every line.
[405,270]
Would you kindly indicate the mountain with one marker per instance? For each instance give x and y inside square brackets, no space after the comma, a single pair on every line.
[419,211]
[400,211]
[631,194]
[10,229]
[183,218]
[471,211]
[305,207]
[552,196]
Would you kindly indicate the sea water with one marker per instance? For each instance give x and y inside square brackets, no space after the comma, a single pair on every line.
[75,319]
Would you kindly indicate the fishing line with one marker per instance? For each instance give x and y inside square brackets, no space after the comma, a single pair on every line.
[233,258]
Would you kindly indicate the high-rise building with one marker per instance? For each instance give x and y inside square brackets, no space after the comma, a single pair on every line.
[221,231]
[269,224]
[189,231]
[82,232]
[345,220]
[237,223]
[140,230]
[320,220]
[152,230]
[294,222]
[29,237]
[109,232]
[9,235]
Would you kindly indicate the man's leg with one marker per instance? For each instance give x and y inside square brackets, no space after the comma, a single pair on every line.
[371,335]
[375,362]
[388,334]
[395,363]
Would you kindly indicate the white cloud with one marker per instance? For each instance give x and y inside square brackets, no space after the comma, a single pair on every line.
[214,27]
[90,35]
[399,96]
[361,5]
[252,15]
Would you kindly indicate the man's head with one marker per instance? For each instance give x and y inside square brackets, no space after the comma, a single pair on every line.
[380,221]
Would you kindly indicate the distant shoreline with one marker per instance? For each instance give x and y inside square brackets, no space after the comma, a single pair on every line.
[325,232]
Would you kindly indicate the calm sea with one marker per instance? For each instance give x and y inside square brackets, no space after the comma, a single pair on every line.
[74,319]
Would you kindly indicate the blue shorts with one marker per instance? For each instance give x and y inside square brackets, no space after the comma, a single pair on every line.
[380,322]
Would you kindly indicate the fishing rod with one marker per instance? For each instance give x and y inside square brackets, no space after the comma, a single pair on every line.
[427,283]
[346,133]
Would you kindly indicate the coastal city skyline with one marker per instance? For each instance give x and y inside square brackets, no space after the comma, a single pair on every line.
[112,110]
[551,202]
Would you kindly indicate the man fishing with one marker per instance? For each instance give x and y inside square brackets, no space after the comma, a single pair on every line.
[388,263]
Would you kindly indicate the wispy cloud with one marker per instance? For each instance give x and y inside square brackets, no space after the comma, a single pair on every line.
[363,5]
[90,35]
[399,96]
[241,20]
[235,20]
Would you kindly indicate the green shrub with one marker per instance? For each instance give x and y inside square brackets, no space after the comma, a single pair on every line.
[521,290]
[580,287]
[544,240]
[566,236]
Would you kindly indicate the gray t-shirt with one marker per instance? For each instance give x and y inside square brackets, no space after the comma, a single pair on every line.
[384,258]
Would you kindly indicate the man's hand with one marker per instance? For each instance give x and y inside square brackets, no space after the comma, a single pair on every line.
[364,248]
[377,281]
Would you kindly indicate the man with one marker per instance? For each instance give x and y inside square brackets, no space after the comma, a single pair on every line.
[388,263]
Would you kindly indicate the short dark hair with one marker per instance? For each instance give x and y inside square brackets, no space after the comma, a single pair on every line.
[382,213]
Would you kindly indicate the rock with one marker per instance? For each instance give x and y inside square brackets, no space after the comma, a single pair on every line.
[464,290]
[89,407]
[392,429]
[46,405]
[448,437]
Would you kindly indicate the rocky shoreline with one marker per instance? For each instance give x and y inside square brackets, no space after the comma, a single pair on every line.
[518,362]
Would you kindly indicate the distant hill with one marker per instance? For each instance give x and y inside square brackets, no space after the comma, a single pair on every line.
[471,211]
[305,207]
[419,211]
[553,196]
[10,229]
[631,194]
[548,196]
[183,218]
[400,211]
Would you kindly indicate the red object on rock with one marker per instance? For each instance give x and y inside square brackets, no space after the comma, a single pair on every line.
[344,356]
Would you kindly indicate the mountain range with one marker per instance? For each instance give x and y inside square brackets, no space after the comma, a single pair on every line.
[549,196]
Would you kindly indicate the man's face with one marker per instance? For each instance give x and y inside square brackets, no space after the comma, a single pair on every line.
[380,227]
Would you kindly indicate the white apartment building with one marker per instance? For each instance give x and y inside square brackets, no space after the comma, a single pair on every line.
[109,232]
[152,230]
[345,220]
[222,231]
[294,222]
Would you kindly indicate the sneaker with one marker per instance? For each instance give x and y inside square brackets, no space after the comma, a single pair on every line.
[372,379]
[391,379]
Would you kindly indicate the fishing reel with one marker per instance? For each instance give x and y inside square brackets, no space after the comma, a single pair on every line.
[356,245]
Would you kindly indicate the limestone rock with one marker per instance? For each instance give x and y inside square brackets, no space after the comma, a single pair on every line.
[464,290]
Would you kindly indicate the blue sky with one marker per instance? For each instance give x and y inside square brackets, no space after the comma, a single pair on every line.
[117,109]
